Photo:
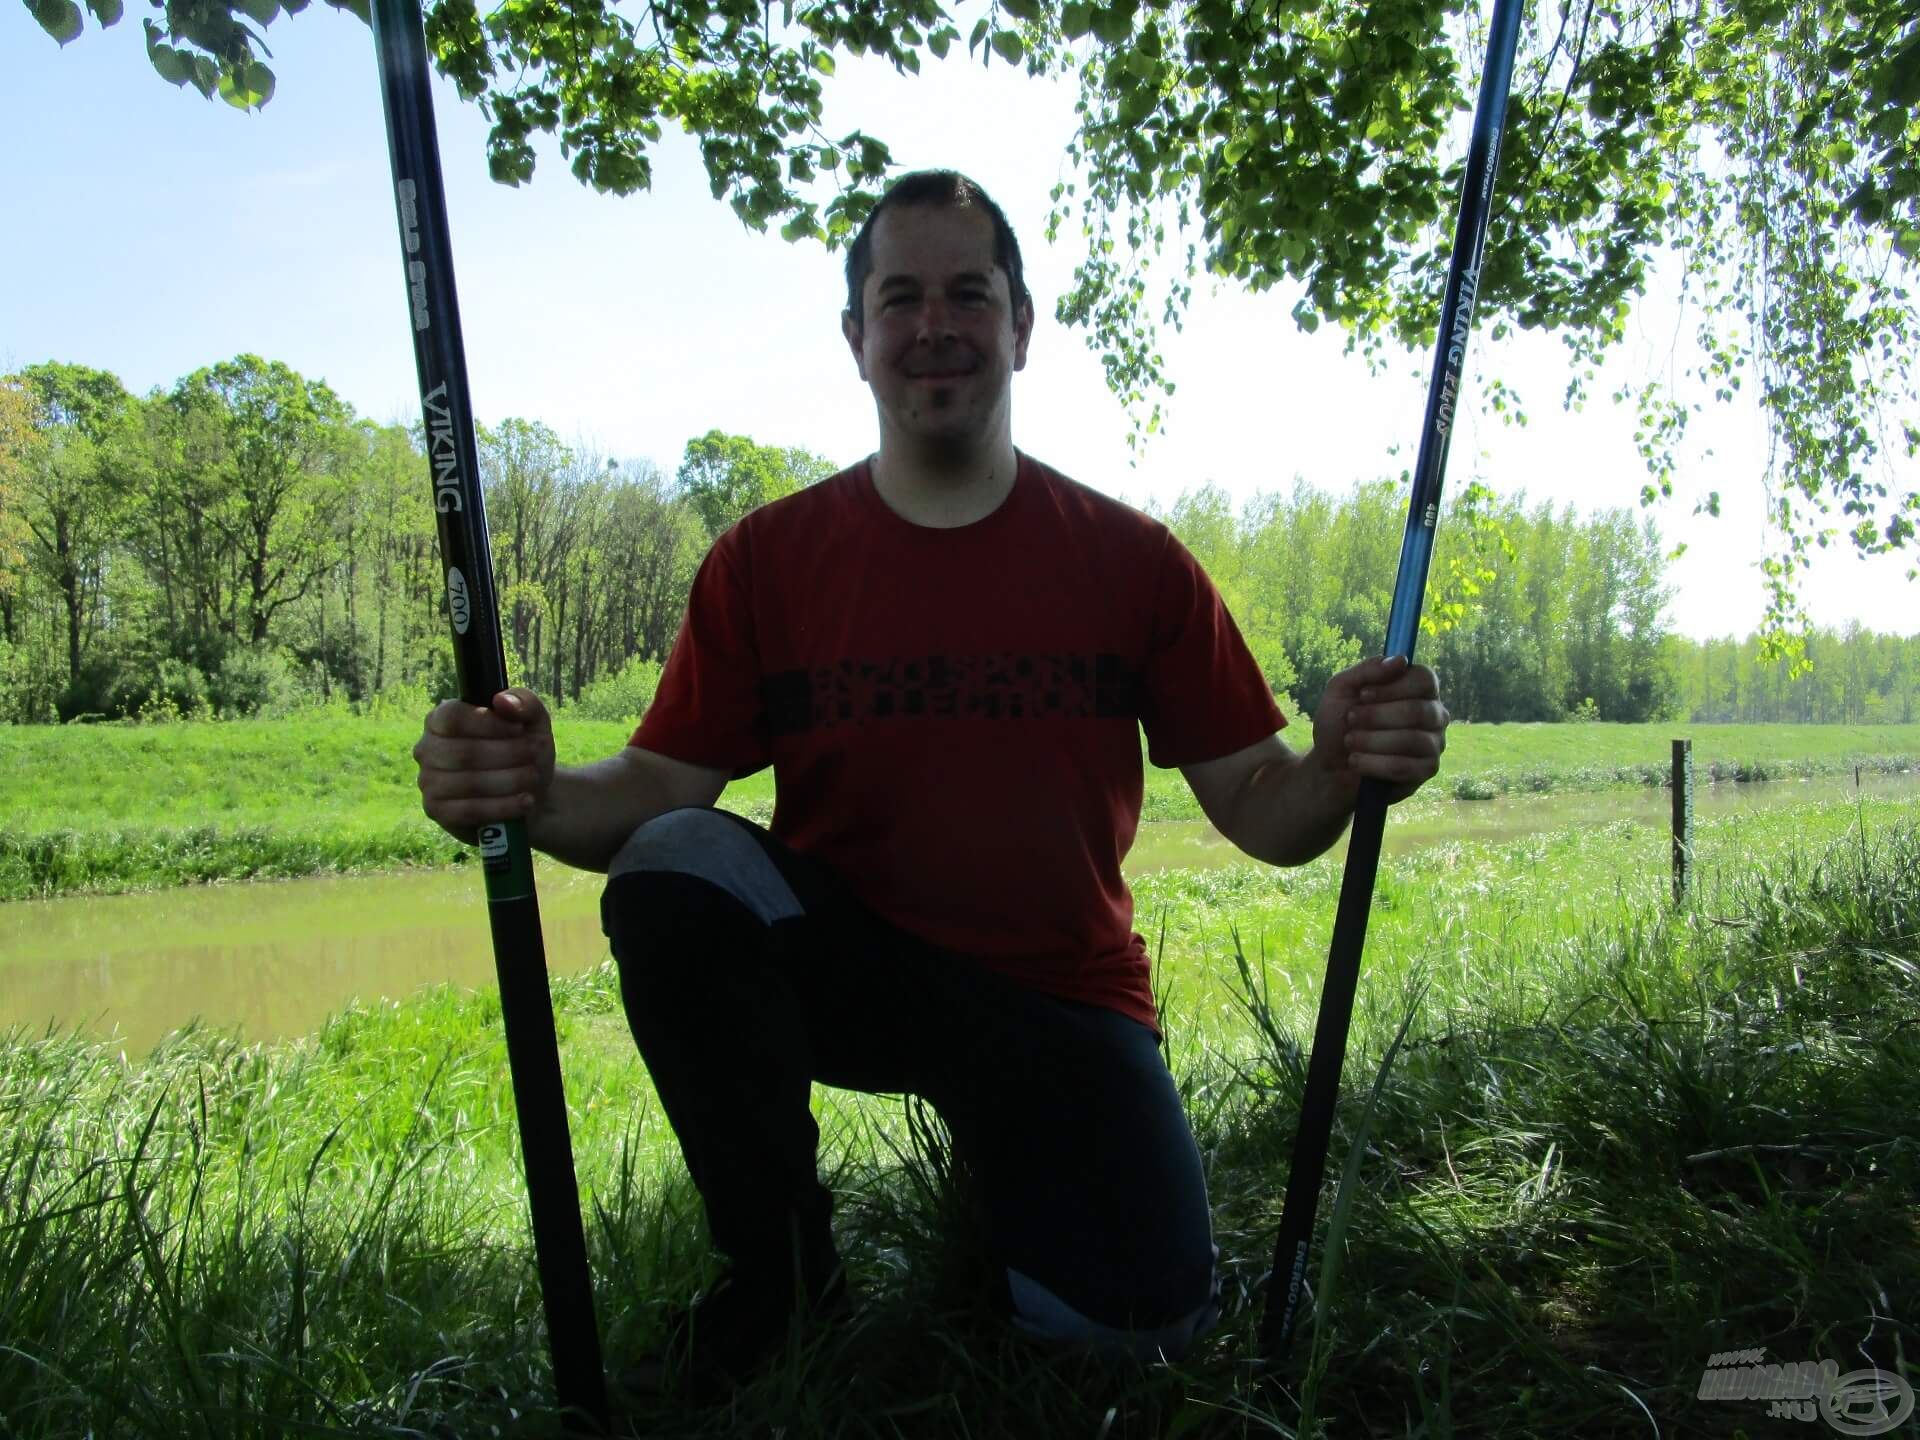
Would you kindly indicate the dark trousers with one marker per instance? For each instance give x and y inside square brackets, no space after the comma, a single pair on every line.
[750,971]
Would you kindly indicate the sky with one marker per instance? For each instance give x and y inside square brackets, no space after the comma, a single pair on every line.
[146,231]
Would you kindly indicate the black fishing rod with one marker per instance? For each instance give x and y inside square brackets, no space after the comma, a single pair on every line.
[1298,1211]
[513,910]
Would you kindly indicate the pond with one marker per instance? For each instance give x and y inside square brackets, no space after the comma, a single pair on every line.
[274,959]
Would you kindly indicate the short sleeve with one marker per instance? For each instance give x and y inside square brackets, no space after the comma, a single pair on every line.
[708,709]
[1204,694]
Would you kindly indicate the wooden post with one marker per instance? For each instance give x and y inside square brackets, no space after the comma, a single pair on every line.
[1682,817]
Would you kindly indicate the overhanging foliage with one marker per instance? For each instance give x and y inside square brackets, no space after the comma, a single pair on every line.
[1772,148]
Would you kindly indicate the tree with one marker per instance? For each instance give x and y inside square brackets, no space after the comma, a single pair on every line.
[20,442]
[652,546]
[183,533]
[282,433]
[75,490]
[522,463]
[724,476]
[1772,146]
[390,476]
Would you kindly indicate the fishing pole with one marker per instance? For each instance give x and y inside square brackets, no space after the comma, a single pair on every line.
[513,910]
[1298,1210]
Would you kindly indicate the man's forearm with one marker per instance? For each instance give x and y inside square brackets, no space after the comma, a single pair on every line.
[590,811]
[1291,812]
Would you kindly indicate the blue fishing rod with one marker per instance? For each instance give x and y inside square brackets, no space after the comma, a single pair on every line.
[513,910]
[1298,1211]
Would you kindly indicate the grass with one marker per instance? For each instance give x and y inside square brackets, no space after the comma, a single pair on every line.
[1621,1136]
[109,808]
[1488,760]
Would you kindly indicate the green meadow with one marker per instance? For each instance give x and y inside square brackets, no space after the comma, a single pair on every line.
[108,808]
[1618,1137]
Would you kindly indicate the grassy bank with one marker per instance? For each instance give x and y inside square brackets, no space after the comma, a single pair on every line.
[1619,1138]
[103,809]
[1488,760]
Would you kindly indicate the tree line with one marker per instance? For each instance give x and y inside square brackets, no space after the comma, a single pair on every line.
[242,542]
[1858,677]
[1532,613]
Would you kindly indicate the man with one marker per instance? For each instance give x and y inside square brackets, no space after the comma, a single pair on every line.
[947,653]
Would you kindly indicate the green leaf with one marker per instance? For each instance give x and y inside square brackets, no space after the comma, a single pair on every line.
[980,28]
[1008,45]
[1113,25]
[107,12]
[247,86]
[1076,19]
[823,62]
[59,18]
[262,11]
[1021,9]
[939,41]
[233,94]
[169,63]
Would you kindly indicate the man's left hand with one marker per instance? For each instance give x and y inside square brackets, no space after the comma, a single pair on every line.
[1382,720]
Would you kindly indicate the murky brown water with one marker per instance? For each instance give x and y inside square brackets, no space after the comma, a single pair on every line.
[274,959]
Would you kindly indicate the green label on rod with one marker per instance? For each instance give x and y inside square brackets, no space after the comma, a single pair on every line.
[506,860]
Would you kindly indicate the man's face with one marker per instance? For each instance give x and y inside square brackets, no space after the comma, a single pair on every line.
[942,336]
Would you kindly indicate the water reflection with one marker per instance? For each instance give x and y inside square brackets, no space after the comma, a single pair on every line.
[275,958]
[272,958]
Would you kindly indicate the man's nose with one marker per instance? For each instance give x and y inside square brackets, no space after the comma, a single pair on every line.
[936,318]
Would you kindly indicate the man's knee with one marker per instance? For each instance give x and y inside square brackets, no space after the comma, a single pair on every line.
[670,840]
[685,863]
[1163,1328]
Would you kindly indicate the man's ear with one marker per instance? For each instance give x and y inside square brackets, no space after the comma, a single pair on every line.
[1022,331]
[854,337]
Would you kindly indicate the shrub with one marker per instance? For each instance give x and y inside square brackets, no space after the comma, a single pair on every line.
[27,696]
[398,702]
[623,696]
[1472,787]
[90,694]
[158,691]
[254,680]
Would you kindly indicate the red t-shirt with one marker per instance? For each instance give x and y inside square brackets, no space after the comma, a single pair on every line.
[953,716]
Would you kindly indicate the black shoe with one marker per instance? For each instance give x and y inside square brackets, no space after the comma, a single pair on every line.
[731,1334]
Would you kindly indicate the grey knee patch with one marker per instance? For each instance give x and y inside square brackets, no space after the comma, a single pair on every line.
[709,846]
[1041,1315]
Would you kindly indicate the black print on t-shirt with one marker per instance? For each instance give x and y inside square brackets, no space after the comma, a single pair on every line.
[951,687]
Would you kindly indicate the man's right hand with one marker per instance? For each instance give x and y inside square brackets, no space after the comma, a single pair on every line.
[483,765]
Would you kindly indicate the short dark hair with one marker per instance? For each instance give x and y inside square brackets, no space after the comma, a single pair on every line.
[934,187]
